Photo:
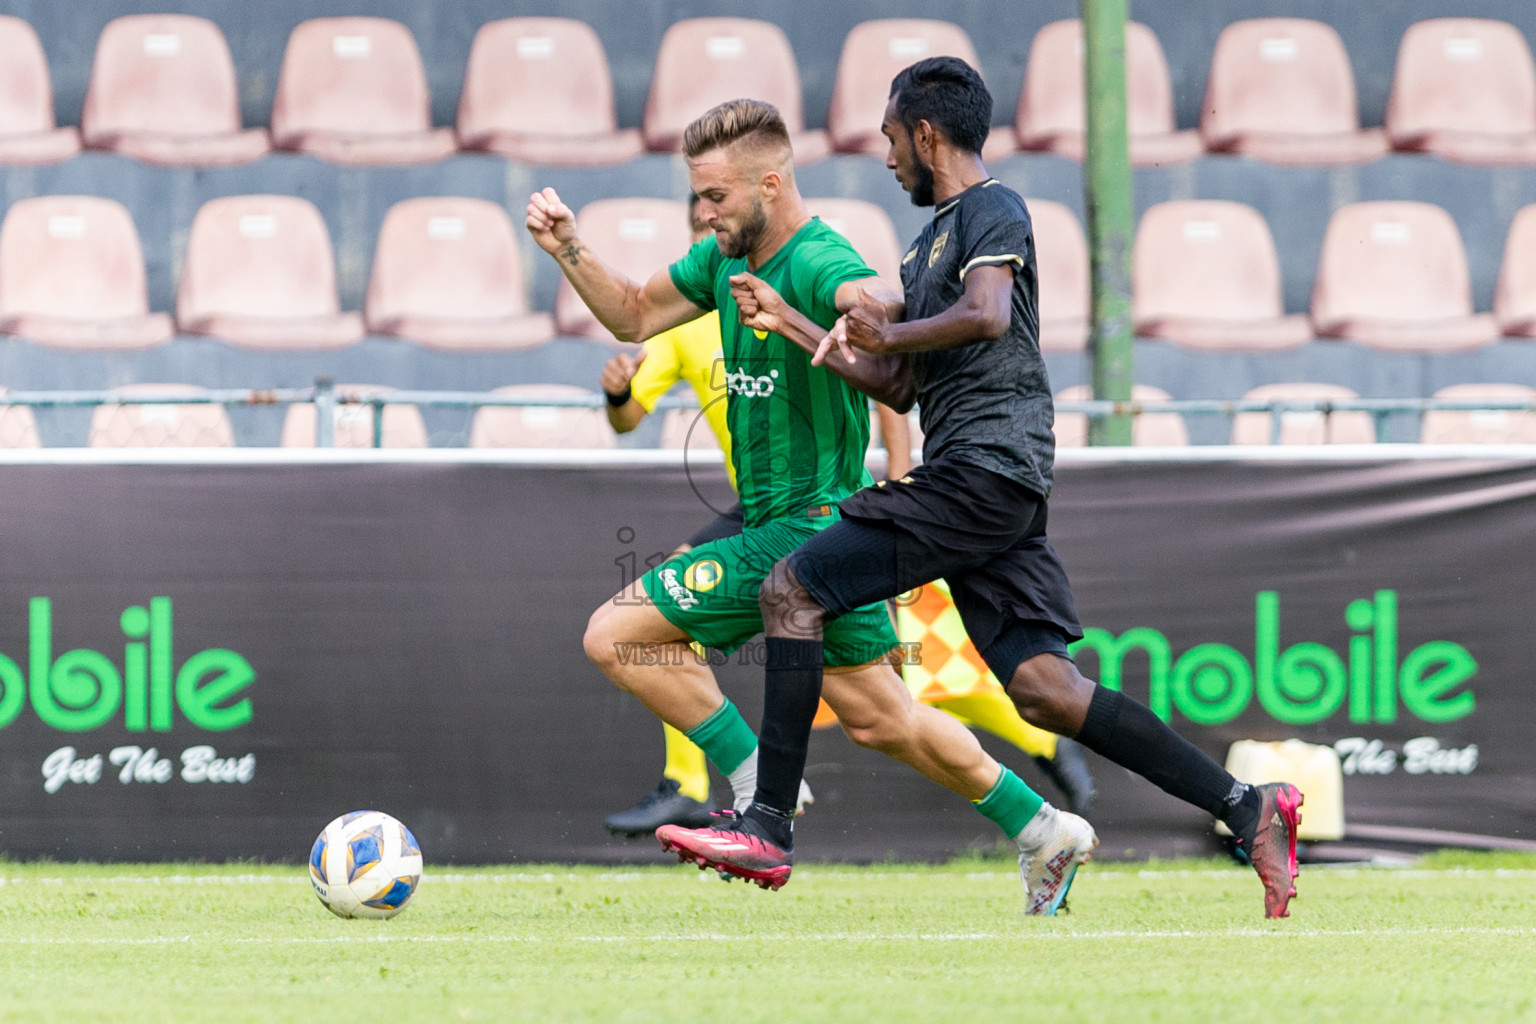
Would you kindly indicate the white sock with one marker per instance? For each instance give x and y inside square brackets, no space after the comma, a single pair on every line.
[1039,830]
[744,782]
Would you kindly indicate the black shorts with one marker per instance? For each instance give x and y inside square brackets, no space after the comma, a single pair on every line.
[726,524]
[981,532]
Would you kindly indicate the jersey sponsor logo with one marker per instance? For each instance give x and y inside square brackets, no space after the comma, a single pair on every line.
[675,589]
[740,382]
[759,335]
[938,248]
[818,511]
[704,575]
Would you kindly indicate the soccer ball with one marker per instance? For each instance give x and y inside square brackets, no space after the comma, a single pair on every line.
[365,864]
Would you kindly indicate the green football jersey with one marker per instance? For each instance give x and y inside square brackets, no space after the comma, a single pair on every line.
[798,432]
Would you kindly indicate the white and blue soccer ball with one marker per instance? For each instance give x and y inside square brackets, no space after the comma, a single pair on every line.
[365,864]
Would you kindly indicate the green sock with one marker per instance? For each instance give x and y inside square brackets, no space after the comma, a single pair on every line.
[1010,803]
[726,738]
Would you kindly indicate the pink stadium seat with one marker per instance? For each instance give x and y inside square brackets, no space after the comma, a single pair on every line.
[1051,105]
[539,90]
[1464,88]
[873,53]
[1481,426]
[868,228]
[163,90]
[541,426]
[160,426]
[1205,274]
[1514,299]
[18,427]
[447,274]
[637,237]
[1152,429]
[27,132]
[72,276]
[703,62]
[353,422]
[1303,427]
[354,91]
[259,273]
[1394,275]
[687,428]
[1061,259]
[1282,90]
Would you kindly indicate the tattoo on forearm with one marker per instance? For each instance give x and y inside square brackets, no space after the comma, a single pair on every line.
[572,254]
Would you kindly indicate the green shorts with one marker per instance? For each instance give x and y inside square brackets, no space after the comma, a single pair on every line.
[710,593]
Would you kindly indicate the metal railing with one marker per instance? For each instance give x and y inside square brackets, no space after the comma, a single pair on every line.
[326,396]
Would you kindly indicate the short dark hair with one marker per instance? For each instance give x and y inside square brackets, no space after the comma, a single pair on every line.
[949,94]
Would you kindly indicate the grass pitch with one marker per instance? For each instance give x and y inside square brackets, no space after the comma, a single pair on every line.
[1450,940]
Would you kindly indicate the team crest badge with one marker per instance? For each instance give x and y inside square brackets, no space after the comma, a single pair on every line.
[938,248]
[703,576]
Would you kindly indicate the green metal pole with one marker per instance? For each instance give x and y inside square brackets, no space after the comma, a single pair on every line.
[1107,181]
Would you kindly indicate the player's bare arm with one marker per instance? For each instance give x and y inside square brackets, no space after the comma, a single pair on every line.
[886,379]
[618,372]
[633,312]
[981,315]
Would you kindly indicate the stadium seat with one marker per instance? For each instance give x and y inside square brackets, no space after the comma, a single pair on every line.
[403,426]
[1514,298]
[1061,260]
[1481,426]
[163,90]
[447,274]
[1303,427]
[637,237]
[1152,429]
[27,131]
[1051,106]
[18,427]
[354,91]
[687,428]
[868,228]
[72,276]
[541,426]
[1205,274]
[703,62]
[539,90]
[873,53]
[1465,89]
[1394,275]
[1282,90]
[160,426]
[259,273]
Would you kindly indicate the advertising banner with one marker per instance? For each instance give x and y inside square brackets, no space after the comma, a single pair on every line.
[210,661]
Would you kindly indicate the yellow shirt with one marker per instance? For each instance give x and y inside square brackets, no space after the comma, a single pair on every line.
[688,352]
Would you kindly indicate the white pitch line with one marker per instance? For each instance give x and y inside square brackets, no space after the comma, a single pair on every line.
[1280,932]
[518,878]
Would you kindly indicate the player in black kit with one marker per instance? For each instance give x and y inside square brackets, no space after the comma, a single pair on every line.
[974,512]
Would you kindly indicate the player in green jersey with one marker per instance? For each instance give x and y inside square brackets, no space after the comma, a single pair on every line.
[798,441]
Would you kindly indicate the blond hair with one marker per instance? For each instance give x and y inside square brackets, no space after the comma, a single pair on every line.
[751,122]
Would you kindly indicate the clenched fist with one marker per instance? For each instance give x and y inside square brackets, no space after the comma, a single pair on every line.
[551,222]
[619,371]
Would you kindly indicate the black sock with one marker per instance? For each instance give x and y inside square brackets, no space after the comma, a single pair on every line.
[779,826]
[789,707]
[1130,735]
